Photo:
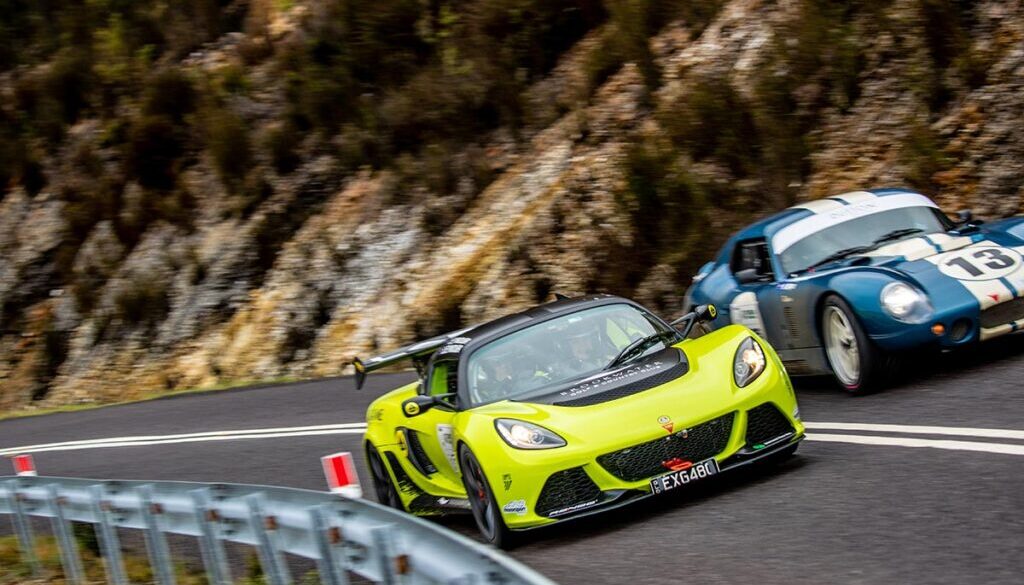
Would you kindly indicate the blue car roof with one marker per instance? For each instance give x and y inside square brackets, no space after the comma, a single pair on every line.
[766,227]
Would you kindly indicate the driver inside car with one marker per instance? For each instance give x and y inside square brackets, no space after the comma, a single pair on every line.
[505,372]
[588,352]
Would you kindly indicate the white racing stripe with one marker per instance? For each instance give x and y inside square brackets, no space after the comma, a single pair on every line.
[918,430]
[1001,448]
[827,216]
[855,196]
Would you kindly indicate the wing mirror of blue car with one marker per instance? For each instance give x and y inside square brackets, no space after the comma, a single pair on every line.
[417,405]
[965,218]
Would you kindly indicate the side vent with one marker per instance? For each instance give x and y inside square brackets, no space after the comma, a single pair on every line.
[791,326]
[417,456]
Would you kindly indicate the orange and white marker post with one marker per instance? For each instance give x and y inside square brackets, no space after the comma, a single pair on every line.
[24,465]
[340,471]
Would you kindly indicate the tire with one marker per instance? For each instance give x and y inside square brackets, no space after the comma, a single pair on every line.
[383,486]
[482,502]
[857,365]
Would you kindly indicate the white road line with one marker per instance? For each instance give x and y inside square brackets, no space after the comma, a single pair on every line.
[356,428]
[1001,448]
[271,433]
[918,430]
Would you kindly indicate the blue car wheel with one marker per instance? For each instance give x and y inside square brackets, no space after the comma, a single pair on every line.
[856,363]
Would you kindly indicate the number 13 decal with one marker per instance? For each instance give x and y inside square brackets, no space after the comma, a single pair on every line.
[980,264]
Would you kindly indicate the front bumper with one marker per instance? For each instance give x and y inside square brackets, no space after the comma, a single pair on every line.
[587,483]
[618,498]
[961,325]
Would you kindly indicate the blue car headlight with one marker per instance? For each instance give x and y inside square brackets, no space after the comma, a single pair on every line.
[905,303]
[748,363]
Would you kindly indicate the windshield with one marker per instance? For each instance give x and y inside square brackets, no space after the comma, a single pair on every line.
[558,350]
[862,231]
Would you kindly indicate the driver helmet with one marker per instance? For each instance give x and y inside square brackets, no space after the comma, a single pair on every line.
[583,340]
[504,368]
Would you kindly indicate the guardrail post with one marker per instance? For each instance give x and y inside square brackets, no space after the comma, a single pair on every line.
[156,543]
[393,567]
[110,545]
[24,530]
[265,528]
[210,544]
[72,563]
[331,571]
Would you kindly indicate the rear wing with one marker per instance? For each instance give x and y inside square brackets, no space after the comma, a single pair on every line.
[418,352]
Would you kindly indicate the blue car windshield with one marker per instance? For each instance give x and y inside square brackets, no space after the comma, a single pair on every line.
[858,232]
[560,349]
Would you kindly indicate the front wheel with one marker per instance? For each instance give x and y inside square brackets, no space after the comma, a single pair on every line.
[857,365]
[481,501]
[383,487]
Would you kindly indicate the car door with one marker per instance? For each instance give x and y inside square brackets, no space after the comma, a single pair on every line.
[756,303]
[427,438]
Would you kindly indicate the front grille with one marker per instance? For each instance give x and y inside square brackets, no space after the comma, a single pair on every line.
[765,423]
[565,489]
[647,459]
[658,379]
[1003,313]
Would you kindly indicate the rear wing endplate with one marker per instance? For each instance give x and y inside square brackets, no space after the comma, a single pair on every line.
[418,352]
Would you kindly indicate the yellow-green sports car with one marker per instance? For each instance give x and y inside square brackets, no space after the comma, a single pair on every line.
[570,408]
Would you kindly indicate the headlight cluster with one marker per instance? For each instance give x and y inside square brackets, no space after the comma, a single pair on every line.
[905,303]
[524,435]
[748,363]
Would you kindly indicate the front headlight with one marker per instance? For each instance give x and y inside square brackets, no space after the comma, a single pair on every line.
[748,363]
[905,303]
[524,435]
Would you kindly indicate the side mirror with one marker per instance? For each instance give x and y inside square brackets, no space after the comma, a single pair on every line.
[965,217]
[705,313]
[417,405]
[699,314]
[748,276]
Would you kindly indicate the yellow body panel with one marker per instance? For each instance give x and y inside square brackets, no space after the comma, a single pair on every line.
[705,392]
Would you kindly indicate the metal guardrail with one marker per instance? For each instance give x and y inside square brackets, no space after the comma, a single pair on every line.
[341,535]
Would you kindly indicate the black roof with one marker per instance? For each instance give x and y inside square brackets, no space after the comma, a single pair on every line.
[453,343]
[508,323]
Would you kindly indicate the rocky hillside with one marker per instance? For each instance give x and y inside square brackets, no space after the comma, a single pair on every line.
[206,191]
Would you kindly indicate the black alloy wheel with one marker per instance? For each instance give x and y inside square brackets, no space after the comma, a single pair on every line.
[481,501]
[383,487]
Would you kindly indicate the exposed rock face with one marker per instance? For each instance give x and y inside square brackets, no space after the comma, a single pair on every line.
[337,263]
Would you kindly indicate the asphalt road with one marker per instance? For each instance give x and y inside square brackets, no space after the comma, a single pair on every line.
[836,513]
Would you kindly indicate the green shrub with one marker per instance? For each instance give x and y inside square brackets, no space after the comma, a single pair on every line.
[229,145]
[143,300]
[663,202]
[170,94]
[282,142]
[155,144]
[713,120]
[68,83]
[923,156]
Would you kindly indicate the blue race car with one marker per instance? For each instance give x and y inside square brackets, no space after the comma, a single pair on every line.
[841,285]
